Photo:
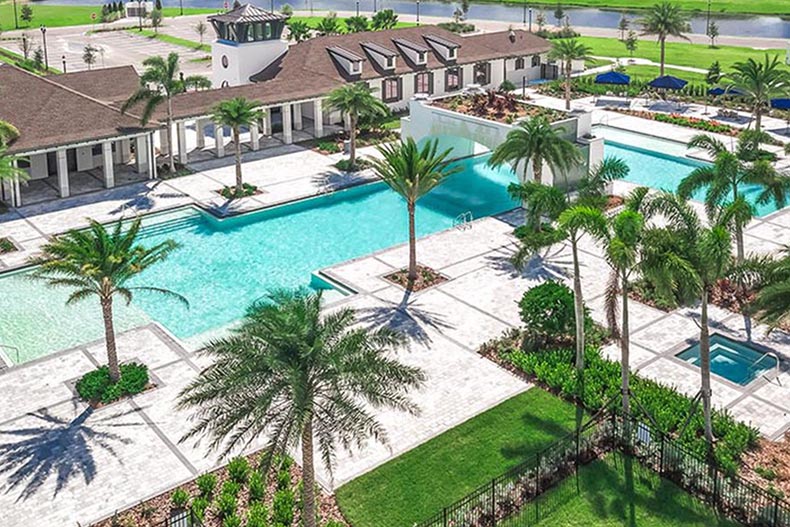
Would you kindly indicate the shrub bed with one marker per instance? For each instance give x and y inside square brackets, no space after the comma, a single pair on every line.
[346,166]
[7,246]
[687,122]
[555,370]
[457,27]
[426,277]
[96,387]
[246,191]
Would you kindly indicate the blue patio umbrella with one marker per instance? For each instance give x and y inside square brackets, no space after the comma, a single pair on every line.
[722,91]
[612,77]
[668,82]
[780,104]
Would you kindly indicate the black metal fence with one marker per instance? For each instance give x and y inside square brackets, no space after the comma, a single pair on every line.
[529,492]
[182,518]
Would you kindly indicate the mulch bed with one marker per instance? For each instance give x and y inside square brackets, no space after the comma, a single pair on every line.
[773,460]
[153,512]
[426,277]
[612,202]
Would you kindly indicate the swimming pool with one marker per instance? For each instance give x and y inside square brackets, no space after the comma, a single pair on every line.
[224,265]
[659,163]
[733,360]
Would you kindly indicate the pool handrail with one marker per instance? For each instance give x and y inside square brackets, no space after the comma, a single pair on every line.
[5,358]
[776,359]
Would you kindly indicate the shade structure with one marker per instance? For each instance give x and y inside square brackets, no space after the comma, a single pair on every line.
[612,77]
[780,104]
[668,82]
[723,91]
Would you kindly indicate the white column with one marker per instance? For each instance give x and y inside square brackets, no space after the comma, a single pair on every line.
[149,145]
[255,137]
[219,140]
[63,173]
[318,118]
[181,130]
[17,196]
[141,154]
[109,169]
[288,137]
[164,140]
[267,123]
[201,133]
[298,116]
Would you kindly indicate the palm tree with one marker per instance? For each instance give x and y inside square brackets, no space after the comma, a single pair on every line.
[296,376]
[536,142]
[8,133]
[623,244]
[575,222]
[663,20]
[101,263]
[159,83]
[356,101]
[697,259]
[760,82]
[237,113]
[413,172]
[542,204]
[8,169]
[592,187]
[566,51]
[773,299]
[724,179]
[298,30]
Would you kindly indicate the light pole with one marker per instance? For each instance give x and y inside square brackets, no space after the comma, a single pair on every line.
[530,20]
[707,24]
[418,12]
[374,6]
[524,15]
[63,59]
[44,37]
[357,7]
[16,20]
[181,6]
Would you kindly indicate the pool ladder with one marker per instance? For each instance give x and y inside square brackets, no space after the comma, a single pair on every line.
[5,360]
[463,221]
[778,364]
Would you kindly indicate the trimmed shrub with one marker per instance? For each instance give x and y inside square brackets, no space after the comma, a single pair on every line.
[257,487]
[329,146]
[199,507]
[95,386]
[283,507]
[547,311]
[226,505]
[258,515]
[206,483]
[231,521]
[239,469]
[179,498]
[283,479]
[231,487]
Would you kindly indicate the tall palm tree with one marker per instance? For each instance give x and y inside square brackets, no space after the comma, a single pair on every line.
[237,113]
[575,222]
[759,82]
[356,101]
[697,259]
[298,30]
[773,298]
[543,205]
[663,20]
[413,172]
[623,245]
[724,180]
[535,142]
[99,263]
[566,51]
[159,83]
[592,187]
[298,377]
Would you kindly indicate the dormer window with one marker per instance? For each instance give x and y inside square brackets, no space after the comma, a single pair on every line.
[451,54]
[378,54]
[349,61]
[390,63]
[356,67]
[446,49]
[422,58]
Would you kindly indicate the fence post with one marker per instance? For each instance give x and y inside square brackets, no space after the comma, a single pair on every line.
[716,488]
[661,456]
[444,517]
[493,502]
[776,511]
[537,486]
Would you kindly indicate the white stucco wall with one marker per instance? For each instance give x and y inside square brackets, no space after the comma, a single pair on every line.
[244,60]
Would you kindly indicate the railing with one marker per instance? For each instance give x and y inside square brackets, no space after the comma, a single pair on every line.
[177,518]
[463,221]
[3,355]
[520,497]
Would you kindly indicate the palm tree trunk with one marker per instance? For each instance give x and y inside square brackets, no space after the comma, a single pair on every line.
[171,157]
[662,41]
[537,169]
[352,121]
[758,118]
[625,343]
[739,246]
[704,367]
[578,307]
[308,476]
[239,182]
[412,245]
[109,338]
[568,69]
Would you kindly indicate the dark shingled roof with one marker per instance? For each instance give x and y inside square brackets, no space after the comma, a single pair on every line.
[105,84]
[48,114]
[247,13]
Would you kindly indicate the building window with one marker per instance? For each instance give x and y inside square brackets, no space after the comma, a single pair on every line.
[96,150]
[390,90]
[520,63]
[535,61]
[224,84]
[482,73]
[423,82]
[224,61]
[452,79]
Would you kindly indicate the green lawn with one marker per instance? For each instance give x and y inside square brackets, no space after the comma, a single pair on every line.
[192,44]
[764,7]
[16,59]
[420,482]
[312,21]
[680,54]
[66,15]
[618,492]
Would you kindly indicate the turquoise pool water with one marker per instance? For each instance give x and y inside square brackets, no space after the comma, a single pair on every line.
[655,169]
[224,265]
[733,360]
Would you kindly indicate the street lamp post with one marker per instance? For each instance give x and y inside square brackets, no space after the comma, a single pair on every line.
[16,20]
[44,37]
[524,15]
[530,20]
[181,6]
[418,12]
[707,24]
[63,59]
[357,7]
[374,7]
